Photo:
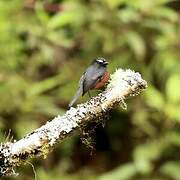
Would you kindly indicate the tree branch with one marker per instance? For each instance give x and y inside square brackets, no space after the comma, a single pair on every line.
[123,84]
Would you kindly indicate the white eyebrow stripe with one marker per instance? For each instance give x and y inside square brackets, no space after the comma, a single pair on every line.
[99,60]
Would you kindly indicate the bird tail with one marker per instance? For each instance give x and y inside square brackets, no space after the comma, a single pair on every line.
[75,97]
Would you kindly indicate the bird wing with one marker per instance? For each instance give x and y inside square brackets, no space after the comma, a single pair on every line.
[89,84]
[79,92]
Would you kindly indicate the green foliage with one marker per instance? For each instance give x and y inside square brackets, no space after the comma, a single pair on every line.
[125,172]
[43,52]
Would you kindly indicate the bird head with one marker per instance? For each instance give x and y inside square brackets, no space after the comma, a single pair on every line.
[101,61]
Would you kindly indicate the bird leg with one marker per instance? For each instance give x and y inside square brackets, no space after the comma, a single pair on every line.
[89,94]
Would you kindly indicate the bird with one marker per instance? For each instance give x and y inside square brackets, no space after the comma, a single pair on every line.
[94,77]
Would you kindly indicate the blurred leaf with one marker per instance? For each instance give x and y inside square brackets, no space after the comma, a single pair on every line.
[165,12]
[136,42]
[144,154]
[43,86]
[173,88]
[72,16]
[129,15]
[173,138]
[172,111]
[168,62]
[25,125]
[154,98]
[140,119]
[171,169]
[123,172]
[41,14]
[47,106]
[114,3]
[146,5]
[59,38]
[62,19]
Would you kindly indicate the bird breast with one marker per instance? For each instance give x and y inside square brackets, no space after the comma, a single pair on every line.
[103,81]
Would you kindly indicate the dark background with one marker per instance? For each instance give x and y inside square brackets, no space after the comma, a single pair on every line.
[45,47]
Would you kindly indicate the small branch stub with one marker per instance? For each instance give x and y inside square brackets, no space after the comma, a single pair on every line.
[123,83]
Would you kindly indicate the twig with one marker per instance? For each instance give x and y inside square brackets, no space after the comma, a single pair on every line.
[123,84]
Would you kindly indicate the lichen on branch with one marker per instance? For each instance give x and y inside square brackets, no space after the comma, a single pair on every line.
[123,84]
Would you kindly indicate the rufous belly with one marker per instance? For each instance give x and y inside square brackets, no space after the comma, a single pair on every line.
[103,81]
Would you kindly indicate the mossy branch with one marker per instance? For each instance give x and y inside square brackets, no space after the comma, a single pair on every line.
[123,84]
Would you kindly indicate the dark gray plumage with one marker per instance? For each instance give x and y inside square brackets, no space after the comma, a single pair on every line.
[90,78]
